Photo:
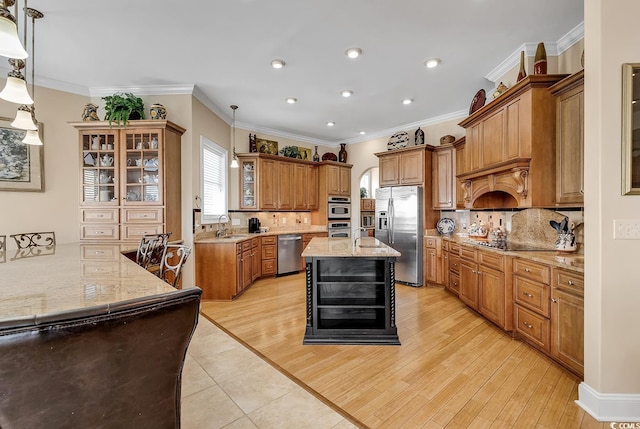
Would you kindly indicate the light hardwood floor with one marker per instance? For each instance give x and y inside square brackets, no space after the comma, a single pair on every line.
[454,369]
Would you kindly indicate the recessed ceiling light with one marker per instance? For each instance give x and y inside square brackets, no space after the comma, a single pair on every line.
[278,64]
[292,100]
[353,52]
[346,93]
[362,133]
[330,124]
[431,63]
[407,101]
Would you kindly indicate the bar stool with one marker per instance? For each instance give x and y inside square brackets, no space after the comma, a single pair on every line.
[170,271]
[25,240]
[149,254]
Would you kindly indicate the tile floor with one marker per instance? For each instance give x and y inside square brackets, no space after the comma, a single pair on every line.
[225,385]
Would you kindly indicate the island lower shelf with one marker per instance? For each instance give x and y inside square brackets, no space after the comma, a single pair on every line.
[350,300]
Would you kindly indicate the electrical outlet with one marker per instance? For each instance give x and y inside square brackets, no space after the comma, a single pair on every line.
[284,220]
[626,229]
[306,220]
[235,221]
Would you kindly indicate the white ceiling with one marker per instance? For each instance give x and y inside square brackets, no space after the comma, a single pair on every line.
[224,48]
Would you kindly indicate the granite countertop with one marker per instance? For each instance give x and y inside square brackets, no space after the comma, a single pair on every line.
[344,247]
[210,237]
[571,261]
[72,276]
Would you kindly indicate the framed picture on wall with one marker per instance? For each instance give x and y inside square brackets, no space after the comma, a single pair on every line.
[21,165]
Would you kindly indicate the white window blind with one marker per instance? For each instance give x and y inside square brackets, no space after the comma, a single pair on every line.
[213,180]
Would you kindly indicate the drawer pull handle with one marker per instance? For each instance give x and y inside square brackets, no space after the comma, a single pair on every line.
[527,294]
[527,270]
[554,300]
[528,325]
[570,282]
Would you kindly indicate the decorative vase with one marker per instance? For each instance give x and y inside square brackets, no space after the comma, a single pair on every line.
[419,136]
[521,73]
[90,112]
[342,155]
[157,111]
[566,242]
[252,143]
[316,157]
[540,61]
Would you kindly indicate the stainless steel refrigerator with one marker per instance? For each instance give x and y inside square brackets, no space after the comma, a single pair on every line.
[399,225]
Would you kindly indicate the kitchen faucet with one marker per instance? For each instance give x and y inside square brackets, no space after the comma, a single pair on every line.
[358,235]
[223,231]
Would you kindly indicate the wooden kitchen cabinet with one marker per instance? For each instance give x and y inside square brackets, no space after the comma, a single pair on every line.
[454,269]
[338,180]
[531,306]
[367,204]
[269,182]
[256,258]
[569,94]
[305,187]
[444,180]
[460,146]
[129,180]
[567,319]
[334,179]
[510,148]
[402,167]
[433,260]
[269,253]
[468,292]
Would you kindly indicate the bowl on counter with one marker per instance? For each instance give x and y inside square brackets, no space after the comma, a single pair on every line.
[264,229]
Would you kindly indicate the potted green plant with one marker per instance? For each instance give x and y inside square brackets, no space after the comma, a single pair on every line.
[122,107]
[290,152]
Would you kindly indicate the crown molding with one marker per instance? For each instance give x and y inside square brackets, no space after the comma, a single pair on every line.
[571,38]
[178,89]
[284,134]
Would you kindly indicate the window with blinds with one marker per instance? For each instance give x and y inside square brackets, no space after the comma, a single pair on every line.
[213,184]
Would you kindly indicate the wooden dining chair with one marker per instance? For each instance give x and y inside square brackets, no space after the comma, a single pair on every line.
[26,240]
[173,259]
[150,250]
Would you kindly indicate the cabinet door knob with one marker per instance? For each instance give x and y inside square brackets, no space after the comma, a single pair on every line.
[527,294]
[527,270]
[528,325]
[570,282]
[554,300]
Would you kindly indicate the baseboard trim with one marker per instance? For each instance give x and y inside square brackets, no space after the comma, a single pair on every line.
[609,407]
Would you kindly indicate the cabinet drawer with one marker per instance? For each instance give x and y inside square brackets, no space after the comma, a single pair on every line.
[533,327]
[97,252]
[269,240]
[431,243]
[136,231]
[246,245]
[468,254]
[268,252]
[150,215]
[255,242]
[534,296]
[531,270]
[445,245]
[454,263]
[454,248]
[491,260]
[569,281]
[99,215]
[99,232]
[454,282]
[269,267]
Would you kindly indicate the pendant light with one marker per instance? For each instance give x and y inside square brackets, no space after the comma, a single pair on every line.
[10,45]
[24,119]
[15,89]
[234,160]
[33,136]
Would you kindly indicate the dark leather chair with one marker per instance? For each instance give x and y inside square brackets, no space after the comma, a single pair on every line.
[109,366]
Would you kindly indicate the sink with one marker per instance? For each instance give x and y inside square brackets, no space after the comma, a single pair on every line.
[370,245]
[229,237]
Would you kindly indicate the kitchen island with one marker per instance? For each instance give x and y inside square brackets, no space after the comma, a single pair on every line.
[88,338]
[350,292]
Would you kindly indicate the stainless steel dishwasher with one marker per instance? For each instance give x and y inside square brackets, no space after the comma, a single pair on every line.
[289,253]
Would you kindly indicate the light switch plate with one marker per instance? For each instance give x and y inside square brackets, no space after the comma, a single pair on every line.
[626,229]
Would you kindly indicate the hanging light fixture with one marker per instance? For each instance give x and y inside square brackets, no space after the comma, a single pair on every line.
[15,89]
[24,119]
[10,45]
[234,160]
[33,136]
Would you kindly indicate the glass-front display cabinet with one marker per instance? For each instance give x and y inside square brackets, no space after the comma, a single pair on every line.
[248,189]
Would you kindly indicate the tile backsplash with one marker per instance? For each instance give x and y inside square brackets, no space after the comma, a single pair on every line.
[275,221]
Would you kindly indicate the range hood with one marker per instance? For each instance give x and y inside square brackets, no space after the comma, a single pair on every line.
[501,186]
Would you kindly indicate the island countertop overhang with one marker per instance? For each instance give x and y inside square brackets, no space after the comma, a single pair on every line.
[365,247]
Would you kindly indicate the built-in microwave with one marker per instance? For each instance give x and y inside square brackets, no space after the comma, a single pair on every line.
[339,208]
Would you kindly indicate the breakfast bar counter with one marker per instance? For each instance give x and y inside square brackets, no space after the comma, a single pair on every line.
[350,289]
[65,277]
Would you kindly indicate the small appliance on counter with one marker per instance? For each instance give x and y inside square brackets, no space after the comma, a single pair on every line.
[254,225]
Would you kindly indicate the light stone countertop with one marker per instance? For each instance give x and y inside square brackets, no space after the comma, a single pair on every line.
[366,247]
[571,261]
[71,276]
[210,237]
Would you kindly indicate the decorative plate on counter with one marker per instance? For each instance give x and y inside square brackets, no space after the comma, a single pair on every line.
[398,140]
[446,226]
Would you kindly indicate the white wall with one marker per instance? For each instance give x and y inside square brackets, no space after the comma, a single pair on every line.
[612,271]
